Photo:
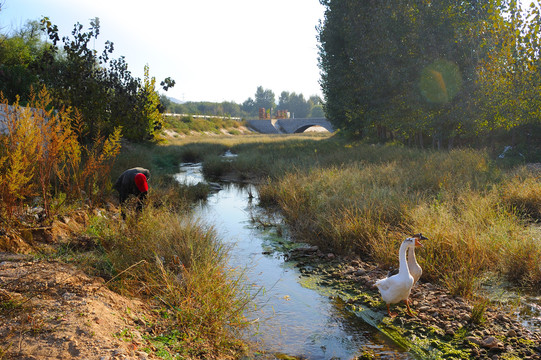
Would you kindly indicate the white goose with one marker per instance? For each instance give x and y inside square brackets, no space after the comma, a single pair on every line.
[414,268]
[396,288]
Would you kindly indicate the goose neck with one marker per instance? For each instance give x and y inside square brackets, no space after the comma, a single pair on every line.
[411,257]
[402,259]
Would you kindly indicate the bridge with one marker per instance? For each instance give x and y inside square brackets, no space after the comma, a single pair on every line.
[288,126]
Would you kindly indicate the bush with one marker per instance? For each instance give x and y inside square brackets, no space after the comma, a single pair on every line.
[39,149]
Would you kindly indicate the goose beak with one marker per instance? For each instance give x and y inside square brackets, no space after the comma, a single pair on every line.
[418,243]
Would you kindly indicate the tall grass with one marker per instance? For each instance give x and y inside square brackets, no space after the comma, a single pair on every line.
[180,262]
[359,198]
[188,124]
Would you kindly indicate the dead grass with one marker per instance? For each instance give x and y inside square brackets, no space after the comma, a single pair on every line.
[476,214]
[179,262]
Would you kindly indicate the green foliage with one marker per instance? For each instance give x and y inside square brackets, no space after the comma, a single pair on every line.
[444,72]
[102,89]
[168,256]
[226,108]
[295,104]
[264,98]
[18,58]
[189,124]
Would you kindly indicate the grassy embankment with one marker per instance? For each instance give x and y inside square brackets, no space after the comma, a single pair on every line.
[188,124]
[480,213]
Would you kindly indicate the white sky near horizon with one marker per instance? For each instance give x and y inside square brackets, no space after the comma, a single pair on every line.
[215,50]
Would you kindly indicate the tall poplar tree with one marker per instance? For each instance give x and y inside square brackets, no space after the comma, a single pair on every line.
[400,67]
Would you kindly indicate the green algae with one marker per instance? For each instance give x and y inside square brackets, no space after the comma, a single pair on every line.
[326,277]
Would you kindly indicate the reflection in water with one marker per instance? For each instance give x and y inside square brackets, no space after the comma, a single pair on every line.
[290,318]
[526,308]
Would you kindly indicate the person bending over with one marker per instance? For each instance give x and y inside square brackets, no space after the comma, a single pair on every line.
[133,182]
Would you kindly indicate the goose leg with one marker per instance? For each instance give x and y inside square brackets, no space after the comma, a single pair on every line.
[408,307]
[391,315]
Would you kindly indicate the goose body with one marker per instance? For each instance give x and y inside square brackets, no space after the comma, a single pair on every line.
[414,268]
[396,288]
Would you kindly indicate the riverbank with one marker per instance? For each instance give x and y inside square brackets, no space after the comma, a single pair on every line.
[52,308]
[132,268]
[445,326]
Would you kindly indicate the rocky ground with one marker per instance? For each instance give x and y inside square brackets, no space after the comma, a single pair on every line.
[50,310]
[445,326]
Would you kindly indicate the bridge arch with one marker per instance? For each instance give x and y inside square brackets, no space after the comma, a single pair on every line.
[306,127]
[299,125]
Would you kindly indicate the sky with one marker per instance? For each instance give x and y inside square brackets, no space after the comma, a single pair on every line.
[215,50]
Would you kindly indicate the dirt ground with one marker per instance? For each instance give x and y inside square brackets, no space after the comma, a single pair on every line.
[51,310]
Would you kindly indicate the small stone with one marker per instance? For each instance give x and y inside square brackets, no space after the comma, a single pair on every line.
[473,340]
[118,352]
[141,355]
[483,352]
[449,332]
[491,342]
[511,333]
[360,272]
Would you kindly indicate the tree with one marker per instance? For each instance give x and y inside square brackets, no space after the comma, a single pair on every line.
[284,100]
[102,89]
[374,55]
[249,106]
[264,98]
[18,58]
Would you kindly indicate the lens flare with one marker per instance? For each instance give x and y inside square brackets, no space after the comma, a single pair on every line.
[440,81]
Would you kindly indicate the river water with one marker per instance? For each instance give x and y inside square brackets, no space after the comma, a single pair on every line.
[290,319]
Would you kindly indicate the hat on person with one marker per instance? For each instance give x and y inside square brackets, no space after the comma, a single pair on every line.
[141,182]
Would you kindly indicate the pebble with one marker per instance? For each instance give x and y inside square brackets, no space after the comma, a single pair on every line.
[141,355]
[118,352]
[360,272]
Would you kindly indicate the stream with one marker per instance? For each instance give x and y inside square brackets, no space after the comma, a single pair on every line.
[290,319]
